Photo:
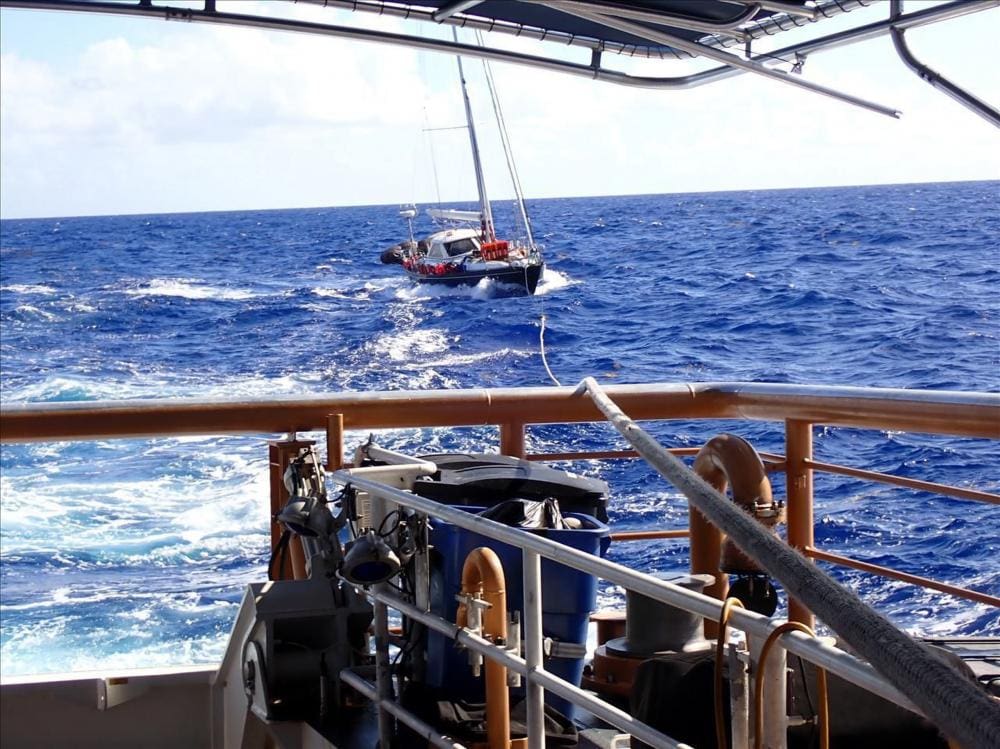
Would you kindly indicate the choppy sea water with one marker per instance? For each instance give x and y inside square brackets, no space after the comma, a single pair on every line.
[135,552]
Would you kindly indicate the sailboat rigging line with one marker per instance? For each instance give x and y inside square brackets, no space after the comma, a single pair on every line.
[541,346]
[952,701]
[489,234]
[505,141]
[434,169]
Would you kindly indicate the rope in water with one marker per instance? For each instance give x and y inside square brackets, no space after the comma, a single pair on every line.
[952,701]
[541,344]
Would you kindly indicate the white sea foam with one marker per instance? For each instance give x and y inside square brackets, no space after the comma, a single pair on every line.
[351,294]
[553,280]
[456,360]
[407,345]
[73,389]
[188,289]
[485,289]
[33,311]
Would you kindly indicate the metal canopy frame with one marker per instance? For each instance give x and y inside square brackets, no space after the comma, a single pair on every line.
[658,29]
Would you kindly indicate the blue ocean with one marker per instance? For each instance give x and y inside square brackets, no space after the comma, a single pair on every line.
[129,553]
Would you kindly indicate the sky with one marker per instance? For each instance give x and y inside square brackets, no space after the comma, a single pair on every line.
[106,115]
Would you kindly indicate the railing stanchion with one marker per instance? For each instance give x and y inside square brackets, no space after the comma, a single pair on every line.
[383,674]
[532,628]
[383,679]
[799,482]
[512,439]
[334,442]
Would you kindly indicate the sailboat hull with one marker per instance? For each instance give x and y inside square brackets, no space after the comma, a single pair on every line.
[527,277]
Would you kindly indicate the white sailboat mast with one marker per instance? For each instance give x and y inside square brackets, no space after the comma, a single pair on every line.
[489,234]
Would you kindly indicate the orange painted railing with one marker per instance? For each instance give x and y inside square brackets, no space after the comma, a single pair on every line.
[512,410]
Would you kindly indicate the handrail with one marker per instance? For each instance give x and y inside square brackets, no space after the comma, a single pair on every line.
[876,569]
[755,625]
[889,478]
[953,413]
[964,414]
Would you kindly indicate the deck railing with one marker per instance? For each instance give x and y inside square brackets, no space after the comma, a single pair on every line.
[512,410]
[531,668]
[799,408]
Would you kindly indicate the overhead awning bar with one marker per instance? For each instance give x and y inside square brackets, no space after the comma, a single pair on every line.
[650,28]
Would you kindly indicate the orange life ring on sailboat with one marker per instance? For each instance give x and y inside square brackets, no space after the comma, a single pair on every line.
[731,461]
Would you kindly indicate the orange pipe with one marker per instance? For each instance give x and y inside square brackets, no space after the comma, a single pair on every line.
[731,461]
[482,575]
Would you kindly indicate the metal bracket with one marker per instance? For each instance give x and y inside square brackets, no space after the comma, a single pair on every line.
[934,78]
[116,691]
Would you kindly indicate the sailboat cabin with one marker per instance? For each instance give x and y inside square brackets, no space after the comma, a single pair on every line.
[452,243]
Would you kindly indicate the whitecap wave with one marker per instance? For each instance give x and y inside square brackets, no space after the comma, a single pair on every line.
[29,288]
[29,310]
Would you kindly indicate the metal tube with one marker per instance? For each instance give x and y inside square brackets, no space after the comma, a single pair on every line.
[383,679]
[448,10]
[482,573]
[930,15]
[649,535]
[730,27]
[512,439]
[383,673]
[701,50]
[335,442]
[943,412]
[705,550]
[546,680]
[770,696]
[426,730]
[799,513]
[784,7]
[935,79]
[972,595]
[888,478]
[531,580]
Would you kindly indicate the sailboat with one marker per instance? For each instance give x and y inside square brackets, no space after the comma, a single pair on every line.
[470,250]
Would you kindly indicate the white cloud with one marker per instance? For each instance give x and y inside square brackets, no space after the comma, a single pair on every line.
[211,118]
